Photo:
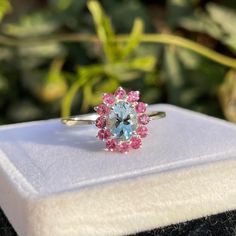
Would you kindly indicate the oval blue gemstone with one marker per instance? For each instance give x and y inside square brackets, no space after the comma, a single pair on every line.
[122,121]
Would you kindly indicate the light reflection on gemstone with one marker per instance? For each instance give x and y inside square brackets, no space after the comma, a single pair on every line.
[122,121]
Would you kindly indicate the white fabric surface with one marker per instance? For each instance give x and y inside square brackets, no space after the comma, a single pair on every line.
[56,180]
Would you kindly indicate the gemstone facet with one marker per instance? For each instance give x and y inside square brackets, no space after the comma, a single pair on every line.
[123,147]
[133,96]
[101,122]
[102,109]
[122,120]
[142,131]
[144,119]
[136,142]
[120,93]
[104,134]
[108,98]
[111,145]
[141,107]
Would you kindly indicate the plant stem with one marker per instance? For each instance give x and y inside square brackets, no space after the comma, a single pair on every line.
[146,38]
[191,45]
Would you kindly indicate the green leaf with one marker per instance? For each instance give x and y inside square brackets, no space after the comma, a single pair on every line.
[130,70]
[191,80]
[85,74]
[91,70]
[87,97]
[55,71]
[218,22]
[68,98]
[34,56]
[55,85]
[189,59]
[201,22]
[226,18]
[134,38]
[144,63]
[5,7]
[104,30]
[49,50]
[108,84]
[32,25]
[174,75]
[47,85]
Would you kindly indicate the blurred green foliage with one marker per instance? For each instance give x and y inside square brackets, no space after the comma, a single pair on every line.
[58,56]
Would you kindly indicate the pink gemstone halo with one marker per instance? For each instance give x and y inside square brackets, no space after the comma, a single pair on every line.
[122,120]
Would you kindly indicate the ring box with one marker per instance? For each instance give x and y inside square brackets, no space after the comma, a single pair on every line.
[58,180]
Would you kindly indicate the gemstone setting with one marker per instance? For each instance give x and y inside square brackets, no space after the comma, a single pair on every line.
[119,120]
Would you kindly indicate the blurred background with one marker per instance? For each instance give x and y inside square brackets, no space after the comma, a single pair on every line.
[58,56]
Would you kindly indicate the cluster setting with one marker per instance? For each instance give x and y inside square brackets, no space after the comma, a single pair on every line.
[122,120]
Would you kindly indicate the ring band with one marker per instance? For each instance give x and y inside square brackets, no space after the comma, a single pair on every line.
[90,119]
[121,118]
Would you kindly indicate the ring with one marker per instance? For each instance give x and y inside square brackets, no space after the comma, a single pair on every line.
[121,119]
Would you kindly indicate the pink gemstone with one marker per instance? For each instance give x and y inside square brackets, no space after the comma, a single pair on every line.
[143,119]
[101,122]
[141,107]
[120,93]
[103,109]
[123,147]
[136,142]
[104,134]
[133,96]
[108,98]
[111,145]
[142,131]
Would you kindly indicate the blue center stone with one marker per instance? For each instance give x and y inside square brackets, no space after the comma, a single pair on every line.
[122,121]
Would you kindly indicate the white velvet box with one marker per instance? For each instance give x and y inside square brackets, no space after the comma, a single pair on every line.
[59,181]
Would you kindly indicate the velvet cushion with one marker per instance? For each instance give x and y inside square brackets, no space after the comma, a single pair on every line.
[56,180]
